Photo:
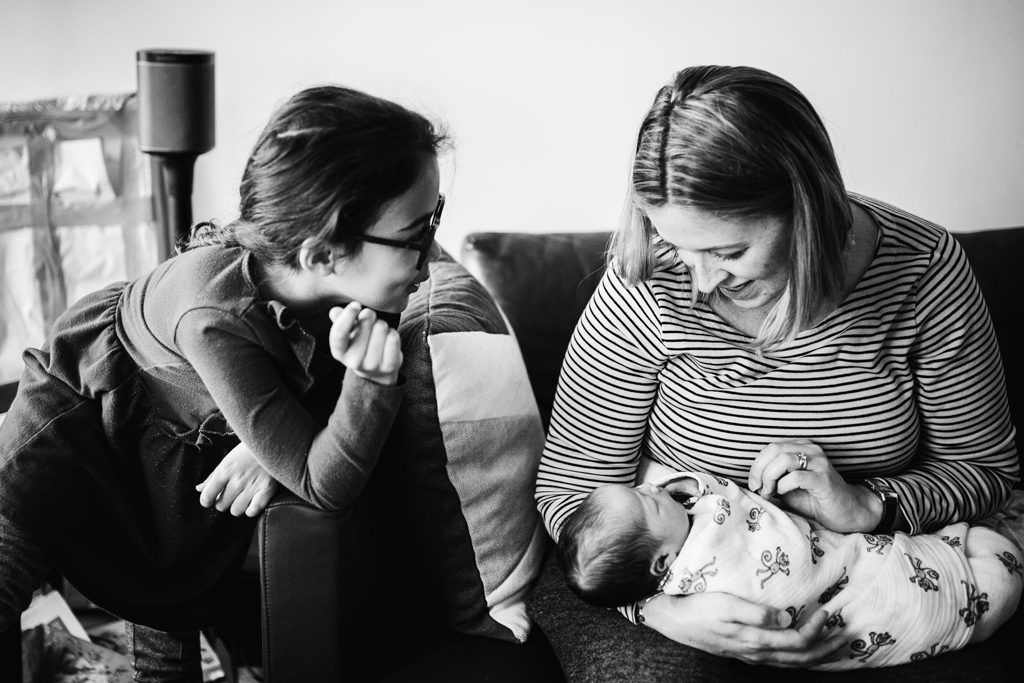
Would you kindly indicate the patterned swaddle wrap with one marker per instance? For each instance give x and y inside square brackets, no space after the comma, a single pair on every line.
[898,598]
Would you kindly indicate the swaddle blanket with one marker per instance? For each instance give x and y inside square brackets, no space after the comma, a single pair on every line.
[897,598]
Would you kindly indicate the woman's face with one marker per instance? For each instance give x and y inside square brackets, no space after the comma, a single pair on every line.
[382,276]
[744,260]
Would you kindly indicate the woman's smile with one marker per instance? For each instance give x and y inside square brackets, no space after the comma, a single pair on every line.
[740,292]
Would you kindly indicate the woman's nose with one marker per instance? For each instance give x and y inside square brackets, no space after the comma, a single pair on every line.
[707,276]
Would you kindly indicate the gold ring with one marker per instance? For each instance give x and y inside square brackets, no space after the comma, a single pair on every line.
[801,460]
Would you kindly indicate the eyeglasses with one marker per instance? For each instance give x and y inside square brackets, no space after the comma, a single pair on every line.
[422,244]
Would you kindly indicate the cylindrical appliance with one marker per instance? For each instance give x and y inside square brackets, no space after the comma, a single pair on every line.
[176,124]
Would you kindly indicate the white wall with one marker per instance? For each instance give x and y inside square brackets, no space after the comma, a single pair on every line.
[924,98]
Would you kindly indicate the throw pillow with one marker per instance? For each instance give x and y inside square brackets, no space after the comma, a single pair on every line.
[462,459]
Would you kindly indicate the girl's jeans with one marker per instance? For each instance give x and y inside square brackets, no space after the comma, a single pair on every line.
[158,656]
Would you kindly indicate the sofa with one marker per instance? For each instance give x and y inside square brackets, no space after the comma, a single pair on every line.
[314,603]
[320,621]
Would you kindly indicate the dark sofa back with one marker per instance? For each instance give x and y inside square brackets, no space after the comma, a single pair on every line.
[997,259]
[543,281]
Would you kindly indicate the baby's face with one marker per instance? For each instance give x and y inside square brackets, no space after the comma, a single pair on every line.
[665,518]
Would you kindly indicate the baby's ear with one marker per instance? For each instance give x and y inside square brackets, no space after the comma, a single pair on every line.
[660,564]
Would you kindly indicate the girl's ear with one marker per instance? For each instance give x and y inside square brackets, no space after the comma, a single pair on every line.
[660,563]
[315,256]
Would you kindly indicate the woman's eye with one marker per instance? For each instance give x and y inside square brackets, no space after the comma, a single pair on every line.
[731,256]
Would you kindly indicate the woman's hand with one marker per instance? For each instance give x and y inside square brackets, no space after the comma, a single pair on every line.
[802,475]
[365,345]
[238,484]
[724,625]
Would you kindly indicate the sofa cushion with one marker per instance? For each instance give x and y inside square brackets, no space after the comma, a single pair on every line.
[542,283]
[460,465]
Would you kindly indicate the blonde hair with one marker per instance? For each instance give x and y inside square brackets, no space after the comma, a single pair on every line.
[740,142]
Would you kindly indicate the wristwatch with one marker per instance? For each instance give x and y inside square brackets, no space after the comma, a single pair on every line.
[890,504]
[638,614]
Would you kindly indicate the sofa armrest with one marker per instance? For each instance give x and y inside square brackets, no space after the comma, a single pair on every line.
[308,591]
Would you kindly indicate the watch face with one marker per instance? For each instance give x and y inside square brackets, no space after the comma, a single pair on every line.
[880,486]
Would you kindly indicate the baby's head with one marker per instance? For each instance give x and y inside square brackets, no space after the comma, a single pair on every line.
[616,547]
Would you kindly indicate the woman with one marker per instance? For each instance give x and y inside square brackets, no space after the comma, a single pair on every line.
[760,323]
[270,331]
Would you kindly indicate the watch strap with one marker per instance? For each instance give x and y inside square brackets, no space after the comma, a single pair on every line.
[890,504]
[639,609]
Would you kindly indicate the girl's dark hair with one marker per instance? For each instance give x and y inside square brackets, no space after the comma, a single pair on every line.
[606,560]
[739,142]
[325,166]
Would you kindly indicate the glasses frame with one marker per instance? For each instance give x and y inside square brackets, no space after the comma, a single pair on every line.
[422,245]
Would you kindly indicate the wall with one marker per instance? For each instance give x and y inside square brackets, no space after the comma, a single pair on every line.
[923,97]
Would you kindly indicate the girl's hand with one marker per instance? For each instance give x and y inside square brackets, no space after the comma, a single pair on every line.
[365,345]
[238,484]
[728,626]
[815,490]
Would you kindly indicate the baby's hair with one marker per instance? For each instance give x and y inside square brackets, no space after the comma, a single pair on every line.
[607,559]
[325,166]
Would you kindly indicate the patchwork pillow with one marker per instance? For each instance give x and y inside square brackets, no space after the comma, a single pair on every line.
[462,459]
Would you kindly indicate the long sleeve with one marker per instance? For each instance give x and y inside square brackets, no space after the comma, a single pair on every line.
[326,466]
[967,462]
[608,382]
[902,381]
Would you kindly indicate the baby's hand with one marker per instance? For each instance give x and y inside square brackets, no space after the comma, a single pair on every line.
[365,345]
[238,484]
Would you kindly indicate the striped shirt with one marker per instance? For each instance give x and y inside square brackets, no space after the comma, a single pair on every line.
[903,380]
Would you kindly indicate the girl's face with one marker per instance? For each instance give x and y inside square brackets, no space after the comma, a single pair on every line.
[744,260]
[383,276]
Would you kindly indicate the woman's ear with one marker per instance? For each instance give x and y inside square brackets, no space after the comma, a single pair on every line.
[315,256]
[661,562]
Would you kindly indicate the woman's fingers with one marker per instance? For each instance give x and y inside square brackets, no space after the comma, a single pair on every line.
[820,644]
[796,480]
[746,613]
[788,647]
[777,460]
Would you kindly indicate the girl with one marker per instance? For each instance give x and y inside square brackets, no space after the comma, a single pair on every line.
[142,388]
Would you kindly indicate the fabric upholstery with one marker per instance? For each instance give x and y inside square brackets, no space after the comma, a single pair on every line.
[995,257]
[542,282]
[463,458]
